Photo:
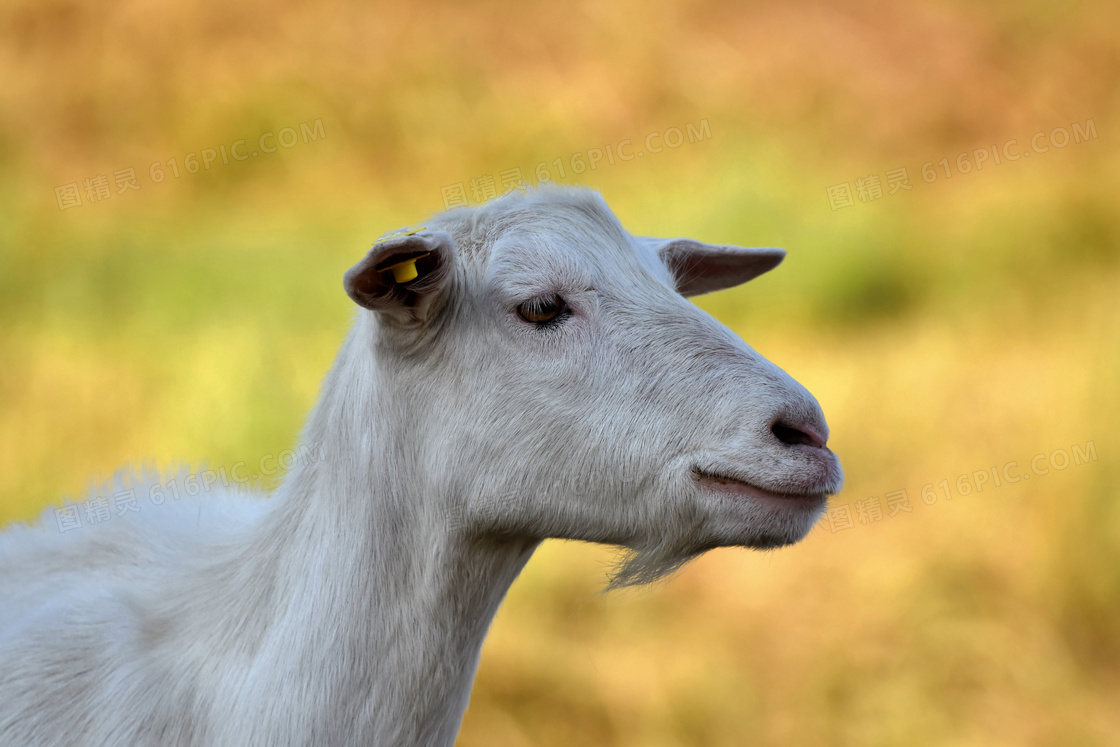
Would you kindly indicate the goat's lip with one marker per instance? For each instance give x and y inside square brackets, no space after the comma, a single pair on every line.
[737,486]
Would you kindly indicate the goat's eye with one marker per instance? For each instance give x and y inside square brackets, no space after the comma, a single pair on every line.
[544,311]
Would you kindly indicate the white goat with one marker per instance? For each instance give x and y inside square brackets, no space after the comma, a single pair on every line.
[519,371]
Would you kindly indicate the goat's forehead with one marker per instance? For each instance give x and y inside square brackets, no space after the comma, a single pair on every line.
[557,243]
[538,261]
[566,233]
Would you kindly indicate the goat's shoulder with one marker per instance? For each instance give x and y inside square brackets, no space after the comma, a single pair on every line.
[76,549]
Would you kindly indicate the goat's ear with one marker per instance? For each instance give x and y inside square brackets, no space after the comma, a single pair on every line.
[702,268]
[403,274]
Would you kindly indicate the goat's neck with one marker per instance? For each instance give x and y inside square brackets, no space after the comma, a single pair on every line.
[388,607]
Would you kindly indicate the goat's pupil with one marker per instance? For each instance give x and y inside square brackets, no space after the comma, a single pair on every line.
[541,311]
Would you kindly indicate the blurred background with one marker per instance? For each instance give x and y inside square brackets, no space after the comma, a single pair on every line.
[183,185]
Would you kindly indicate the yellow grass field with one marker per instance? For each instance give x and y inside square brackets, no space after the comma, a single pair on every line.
[960,330]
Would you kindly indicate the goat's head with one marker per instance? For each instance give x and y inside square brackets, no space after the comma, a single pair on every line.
[553,381]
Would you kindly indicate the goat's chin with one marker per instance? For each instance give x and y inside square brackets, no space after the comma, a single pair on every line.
[747,515]
[761,530]
[761,520]
[780,526]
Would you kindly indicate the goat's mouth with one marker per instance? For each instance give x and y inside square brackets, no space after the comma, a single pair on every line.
[738,487]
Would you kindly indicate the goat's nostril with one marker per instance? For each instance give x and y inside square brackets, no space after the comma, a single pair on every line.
[792,436]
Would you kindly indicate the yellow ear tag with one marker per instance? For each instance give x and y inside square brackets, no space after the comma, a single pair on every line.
[405,271]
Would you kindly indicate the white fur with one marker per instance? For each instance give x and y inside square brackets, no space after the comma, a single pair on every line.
[351,606]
